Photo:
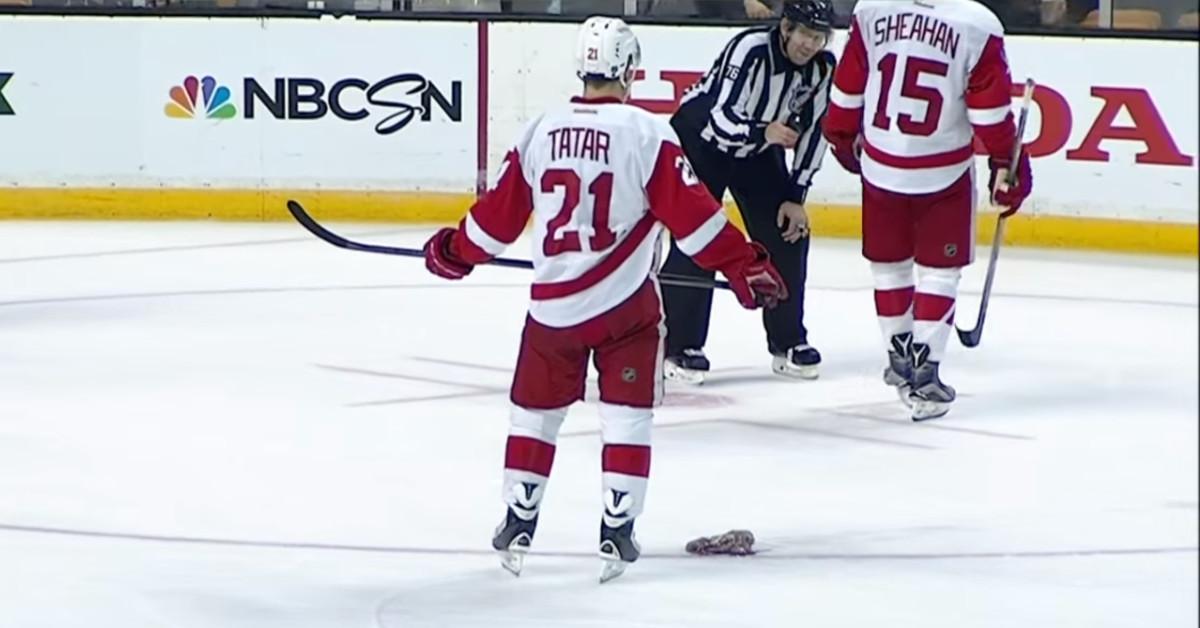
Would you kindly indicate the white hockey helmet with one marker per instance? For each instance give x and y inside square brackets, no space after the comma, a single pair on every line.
[607,50]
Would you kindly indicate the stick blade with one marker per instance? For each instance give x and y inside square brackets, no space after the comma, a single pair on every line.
[295,208]
[312,226]
[970,338]
[298,212]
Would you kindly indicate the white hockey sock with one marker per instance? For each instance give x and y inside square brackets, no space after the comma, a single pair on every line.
[625,461]
[933,308]
[893,297]
[529,456]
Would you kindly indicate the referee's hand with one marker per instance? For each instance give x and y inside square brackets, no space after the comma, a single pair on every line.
[793,221]
[780,133]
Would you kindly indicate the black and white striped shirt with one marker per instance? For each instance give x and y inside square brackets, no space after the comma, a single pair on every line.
[752,84]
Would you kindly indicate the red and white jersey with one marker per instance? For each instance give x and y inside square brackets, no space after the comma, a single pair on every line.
[919,78]
[599,178]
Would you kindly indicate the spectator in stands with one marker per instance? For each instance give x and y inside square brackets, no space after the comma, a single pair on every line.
[727,9]
[1076,12]
[1067,13]
[1053,12]
[1073,13]
[1170,10]
[1016,13]
[569,7]
[759,10]
[476,6]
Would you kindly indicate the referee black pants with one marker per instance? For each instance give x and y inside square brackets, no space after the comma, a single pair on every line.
[758,185]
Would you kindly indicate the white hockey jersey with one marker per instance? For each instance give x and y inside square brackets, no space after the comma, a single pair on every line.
[599,179]
[919,78]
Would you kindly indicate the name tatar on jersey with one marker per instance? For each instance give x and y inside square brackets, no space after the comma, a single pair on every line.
[579,143]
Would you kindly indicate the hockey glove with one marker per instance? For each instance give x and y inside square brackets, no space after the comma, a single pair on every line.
[755,281]
[1005,196]
[440,259]
[848,154]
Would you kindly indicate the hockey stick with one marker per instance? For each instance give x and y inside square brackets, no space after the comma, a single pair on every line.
[971,337]
[315,228]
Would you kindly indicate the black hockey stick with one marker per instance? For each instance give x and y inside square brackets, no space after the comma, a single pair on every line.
[971,337]
[315,228]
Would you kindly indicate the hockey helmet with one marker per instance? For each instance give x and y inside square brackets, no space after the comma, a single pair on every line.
[814,14]
[607,50]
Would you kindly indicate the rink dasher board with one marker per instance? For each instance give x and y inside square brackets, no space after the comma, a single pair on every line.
[403,120]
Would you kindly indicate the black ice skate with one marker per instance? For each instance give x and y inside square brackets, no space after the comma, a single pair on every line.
[618,548]
[618,544]
[898,373]
[799,362]
[688,366]
[930,397]
[514,535]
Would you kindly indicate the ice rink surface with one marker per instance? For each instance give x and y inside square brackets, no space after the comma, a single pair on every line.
[207,425]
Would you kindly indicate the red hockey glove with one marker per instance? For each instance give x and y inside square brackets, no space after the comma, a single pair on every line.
[755,281]
[848,154]
[1010,197]
[440,261]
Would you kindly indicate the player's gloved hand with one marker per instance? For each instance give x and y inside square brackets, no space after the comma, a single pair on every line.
[755,281]
[1002,194]
[848,152]
[441,261]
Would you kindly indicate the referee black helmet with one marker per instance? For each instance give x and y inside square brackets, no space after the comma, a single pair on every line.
[814,14]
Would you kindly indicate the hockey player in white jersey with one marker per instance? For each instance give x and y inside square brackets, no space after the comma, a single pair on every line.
[918,79]
[600,178]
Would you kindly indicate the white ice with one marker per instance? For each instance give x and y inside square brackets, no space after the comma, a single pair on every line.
[234,425]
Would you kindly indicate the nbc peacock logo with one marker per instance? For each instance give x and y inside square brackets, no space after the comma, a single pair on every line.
[200,98]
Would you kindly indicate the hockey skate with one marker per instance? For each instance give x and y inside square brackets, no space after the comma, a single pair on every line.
[898,373]
[799,362]
[618,548]
[618,545]
[688,367]
[930,397]
[514,535]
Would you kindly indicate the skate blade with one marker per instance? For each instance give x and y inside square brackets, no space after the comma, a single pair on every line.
[905,392]
[612,569]
[796,372]
[926,410]
[683,376]
[513,561]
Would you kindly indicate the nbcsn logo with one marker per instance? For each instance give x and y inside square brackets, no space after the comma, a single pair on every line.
[200,98]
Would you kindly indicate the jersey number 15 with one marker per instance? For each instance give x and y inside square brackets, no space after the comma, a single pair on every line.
[914,67]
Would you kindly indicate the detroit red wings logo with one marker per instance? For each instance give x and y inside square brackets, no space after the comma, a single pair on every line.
[508,159]
[685,171]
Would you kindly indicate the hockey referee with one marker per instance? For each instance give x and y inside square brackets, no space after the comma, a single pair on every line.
[767,92]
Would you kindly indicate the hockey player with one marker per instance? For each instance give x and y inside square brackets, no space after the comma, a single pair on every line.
[600,178]
[917,79]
